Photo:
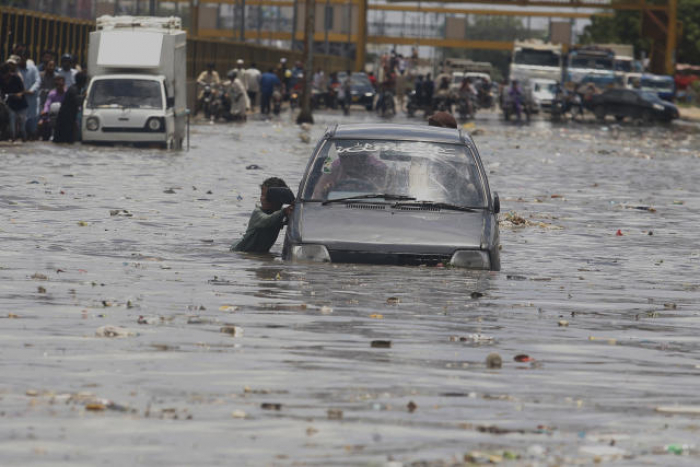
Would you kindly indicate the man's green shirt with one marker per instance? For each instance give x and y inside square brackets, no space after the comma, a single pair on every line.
[262,232]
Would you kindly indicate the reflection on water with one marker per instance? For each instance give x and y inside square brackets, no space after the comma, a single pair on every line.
[230,354]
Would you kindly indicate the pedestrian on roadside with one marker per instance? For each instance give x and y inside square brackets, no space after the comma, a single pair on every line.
[251,81]
[67,70]
[32,81]
[238,96]
[48,78]
[265,222]
[268,82]
[11,85]
[345,92]
[46,57]
[66,130]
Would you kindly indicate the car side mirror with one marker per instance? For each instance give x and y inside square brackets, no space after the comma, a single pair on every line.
[170,102]
[496,203]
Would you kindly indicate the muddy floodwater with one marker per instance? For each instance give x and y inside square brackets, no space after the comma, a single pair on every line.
[130,335]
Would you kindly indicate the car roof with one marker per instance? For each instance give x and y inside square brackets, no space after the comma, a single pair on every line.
[393,131]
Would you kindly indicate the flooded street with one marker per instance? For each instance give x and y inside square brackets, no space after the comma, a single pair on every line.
[229,359]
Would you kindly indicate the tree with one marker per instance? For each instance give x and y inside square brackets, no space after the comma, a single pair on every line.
[625,27]
[689,43]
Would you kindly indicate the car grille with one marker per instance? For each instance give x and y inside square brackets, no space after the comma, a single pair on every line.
[400,259]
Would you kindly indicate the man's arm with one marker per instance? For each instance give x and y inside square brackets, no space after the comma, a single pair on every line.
[261,220]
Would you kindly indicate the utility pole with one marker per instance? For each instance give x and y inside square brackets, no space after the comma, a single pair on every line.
[294,25]
[194,18]
[242,20]
[152,7]
[305,112]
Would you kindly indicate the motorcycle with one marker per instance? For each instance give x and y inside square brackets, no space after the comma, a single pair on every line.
[276,102]
[385,104]
[412,105]
[205,102]
[47,122]
[466,107]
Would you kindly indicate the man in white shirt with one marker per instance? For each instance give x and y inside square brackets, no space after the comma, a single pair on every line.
[251,81]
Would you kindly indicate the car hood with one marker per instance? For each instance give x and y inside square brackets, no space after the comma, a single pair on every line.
[375,227]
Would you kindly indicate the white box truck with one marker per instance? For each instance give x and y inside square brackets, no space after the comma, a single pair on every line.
[137,91]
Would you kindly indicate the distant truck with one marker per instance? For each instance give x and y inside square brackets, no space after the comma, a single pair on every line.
[534,59]
[138,92]
[591,64]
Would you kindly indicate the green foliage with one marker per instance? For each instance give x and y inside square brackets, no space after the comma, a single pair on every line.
[625,27]
[689,43]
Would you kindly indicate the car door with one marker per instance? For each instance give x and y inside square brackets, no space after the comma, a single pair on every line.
[613,102]
[630,104]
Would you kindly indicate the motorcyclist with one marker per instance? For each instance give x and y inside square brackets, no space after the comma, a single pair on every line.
[52,104]
[466,95]
[209,77]
[516,98]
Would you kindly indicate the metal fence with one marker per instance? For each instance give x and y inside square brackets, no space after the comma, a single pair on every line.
[59,34]
[43,32]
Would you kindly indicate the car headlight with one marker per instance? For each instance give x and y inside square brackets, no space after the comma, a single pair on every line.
[154,124]
[317,253]
[658,107]
[92,123]
[471,259]
[368,94]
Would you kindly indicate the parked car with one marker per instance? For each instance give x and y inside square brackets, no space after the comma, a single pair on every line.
[395,194]
[543,92]
[361,89]
[632,103]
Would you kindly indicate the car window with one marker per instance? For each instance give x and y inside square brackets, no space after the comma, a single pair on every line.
[427,171]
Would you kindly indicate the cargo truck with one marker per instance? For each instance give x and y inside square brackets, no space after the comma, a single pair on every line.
[137,91]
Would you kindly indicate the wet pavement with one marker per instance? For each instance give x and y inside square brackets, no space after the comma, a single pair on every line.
[218,358]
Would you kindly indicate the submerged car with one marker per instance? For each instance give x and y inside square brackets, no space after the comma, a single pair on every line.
[634,104]
[395,194]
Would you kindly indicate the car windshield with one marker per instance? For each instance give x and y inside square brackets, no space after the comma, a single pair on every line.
[131,93]
[597,63]
[536,57]
[427,171]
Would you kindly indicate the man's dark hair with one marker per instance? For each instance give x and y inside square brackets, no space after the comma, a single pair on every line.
[273,182]
[270,70]
[443,120]
[252,65]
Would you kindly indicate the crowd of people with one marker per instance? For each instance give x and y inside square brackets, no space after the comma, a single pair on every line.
[396,85]
[40,101]
[244,89]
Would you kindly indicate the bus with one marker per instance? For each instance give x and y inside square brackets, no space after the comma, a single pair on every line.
[535,59]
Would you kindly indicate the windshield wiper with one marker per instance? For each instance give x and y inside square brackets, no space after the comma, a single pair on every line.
[386,196]
[440,205]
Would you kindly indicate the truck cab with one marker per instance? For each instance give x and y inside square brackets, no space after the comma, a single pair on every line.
[137,91]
